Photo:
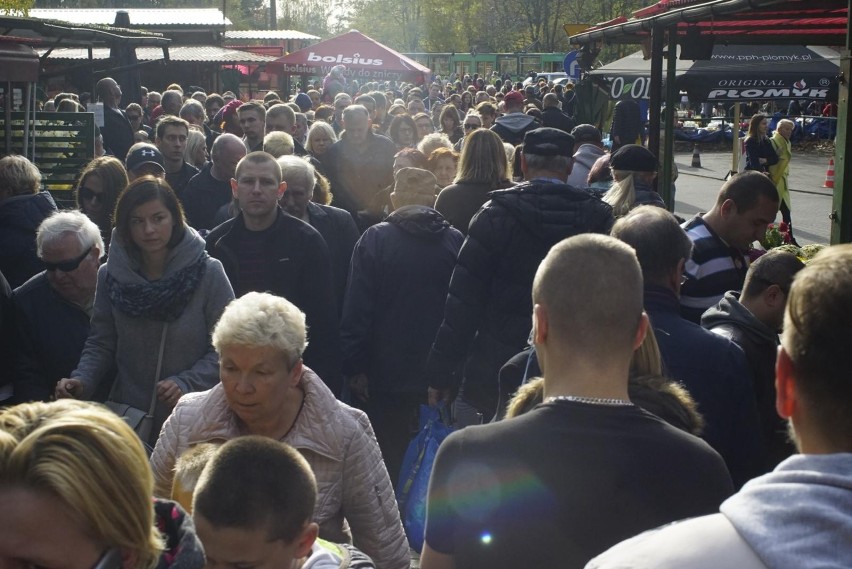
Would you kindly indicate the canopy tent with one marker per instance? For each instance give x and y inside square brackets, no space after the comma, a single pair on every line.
[736,72]
[364,58]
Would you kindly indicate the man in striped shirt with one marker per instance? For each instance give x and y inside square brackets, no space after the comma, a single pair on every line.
[745,206]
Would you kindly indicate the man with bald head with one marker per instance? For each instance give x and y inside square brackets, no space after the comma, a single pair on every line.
[117,130]
[553,116]
[359,166]
[711,367]
[500,489]
[210,189]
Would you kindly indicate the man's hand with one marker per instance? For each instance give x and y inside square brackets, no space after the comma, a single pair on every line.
[67,388]
[168,392]
[359,386]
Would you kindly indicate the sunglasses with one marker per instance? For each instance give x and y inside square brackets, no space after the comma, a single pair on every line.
[67,266]
[87,194]
[471,126]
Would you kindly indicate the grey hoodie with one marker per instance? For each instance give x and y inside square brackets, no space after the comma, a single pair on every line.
[132,344]
[584,159]
[800,515]
[730,311]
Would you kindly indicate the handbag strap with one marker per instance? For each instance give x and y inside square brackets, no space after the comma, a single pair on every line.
[159,369]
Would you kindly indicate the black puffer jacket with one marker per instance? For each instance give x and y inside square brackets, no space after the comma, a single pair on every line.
[487,315]
[20,217]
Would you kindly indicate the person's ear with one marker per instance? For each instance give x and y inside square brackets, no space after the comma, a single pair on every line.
[676,278]
[785,384]
[306,540]
[523,163]
[129,559]
[727,208]
[773,295]
[234,185]
[282,187]
[296,372]
[541,324]
[570,166]
[394,201]
[641,331]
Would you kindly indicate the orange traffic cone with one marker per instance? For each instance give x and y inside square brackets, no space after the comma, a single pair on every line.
[829,175]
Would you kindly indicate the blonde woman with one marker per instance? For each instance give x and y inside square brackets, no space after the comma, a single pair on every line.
[633,170]
[196,149]
[76,491]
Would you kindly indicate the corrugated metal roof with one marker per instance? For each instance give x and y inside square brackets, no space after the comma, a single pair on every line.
[188,53]
[268,35]
[143,17]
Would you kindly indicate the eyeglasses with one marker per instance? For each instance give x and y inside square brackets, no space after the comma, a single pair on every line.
[67,266]
[88,194]
[471,126]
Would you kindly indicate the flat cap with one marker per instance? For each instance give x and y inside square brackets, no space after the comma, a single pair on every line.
[548,141]
[633,158]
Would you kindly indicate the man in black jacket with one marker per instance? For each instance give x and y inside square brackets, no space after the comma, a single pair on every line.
[263,249]
[334,224]
[52,309]
[752,321]
[210,189]
[487,313]
[553,116]
[400,273]
[117,132]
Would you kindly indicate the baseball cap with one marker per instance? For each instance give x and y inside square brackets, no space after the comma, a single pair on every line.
[147,154]
[633,158]
[548,141]
[514,97]
[586,133]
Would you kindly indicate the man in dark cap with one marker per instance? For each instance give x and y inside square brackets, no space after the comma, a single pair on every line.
[144,159]
[487,314]
[587,149]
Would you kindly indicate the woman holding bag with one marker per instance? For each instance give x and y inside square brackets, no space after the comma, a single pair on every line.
[158,297]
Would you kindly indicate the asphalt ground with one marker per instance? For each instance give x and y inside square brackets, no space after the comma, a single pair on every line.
[811,202]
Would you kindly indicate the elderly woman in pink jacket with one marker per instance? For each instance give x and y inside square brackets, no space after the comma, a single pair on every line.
[266,390]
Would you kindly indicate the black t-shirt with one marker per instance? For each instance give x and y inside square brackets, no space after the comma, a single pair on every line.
[563,483]
[178,180]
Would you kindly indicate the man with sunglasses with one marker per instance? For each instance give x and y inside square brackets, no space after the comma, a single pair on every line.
[52,309]
[752,320]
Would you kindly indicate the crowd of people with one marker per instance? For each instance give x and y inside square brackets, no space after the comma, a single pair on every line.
[252,300]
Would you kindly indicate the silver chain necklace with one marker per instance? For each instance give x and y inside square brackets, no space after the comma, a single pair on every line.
[591,400]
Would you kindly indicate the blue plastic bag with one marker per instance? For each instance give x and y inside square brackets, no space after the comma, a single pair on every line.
[416,469]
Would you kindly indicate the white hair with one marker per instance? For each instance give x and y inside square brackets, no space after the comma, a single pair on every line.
[431,142]
[260,319]
[77,223]
[297,168]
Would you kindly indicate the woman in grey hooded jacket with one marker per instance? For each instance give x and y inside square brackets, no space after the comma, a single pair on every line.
[158,297]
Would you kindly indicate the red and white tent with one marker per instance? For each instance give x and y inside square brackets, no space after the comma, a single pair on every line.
[364,58]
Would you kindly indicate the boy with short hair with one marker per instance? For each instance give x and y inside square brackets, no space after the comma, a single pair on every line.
[253,507]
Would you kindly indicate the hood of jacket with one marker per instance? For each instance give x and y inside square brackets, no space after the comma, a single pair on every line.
[183,549]
[798,515]
[26,211]
[587,155]
[729,310]
[127,270]
[515,122]
[545,209]
[419,220]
